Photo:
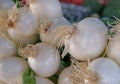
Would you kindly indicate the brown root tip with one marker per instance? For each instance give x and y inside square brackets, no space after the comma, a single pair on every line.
[81,73]
[12,16]
[28,51]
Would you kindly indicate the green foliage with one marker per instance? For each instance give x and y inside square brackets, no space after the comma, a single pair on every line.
[112,9]
[28,77]
[93,4]
[16,0]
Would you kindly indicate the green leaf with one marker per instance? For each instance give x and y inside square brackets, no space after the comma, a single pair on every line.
[28,77]
[112,9]
[29,80]
[107,20]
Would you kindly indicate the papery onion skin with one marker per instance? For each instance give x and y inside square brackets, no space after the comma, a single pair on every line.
[64,76]
[42,80]
[46,62]
[7,46]
[113,50]
[107,70]
[12,69]
[89,41]
[46,9]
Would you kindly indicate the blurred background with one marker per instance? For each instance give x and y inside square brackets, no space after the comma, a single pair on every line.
[106,10]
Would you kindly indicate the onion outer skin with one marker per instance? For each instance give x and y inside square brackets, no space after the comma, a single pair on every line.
[47,62]
[64,76]
[7,46]
[12,69]
[42,80]
[89,41]
[5,5]
[46,9]
[113,50]
[107,70]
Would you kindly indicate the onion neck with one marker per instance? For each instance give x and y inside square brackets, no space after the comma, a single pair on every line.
[28,51]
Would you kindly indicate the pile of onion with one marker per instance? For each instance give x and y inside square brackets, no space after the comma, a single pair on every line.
[39,46]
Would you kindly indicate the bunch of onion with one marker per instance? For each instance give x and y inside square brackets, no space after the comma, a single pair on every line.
[46,9]
[113,49]
[99,71]
[43,59]
[22,25]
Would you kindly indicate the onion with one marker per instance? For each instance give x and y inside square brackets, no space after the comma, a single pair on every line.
[46,9]
[107,71]
[12,69]
[22,25]
[43,59]
[5,5]
[42,80]
[64,76]
[22,40]
[7,47]
[56,31]
[113,50]
[89,40]
[99,71]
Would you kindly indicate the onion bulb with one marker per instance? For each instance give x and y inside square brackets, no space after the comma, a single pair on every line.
[12,69]
[89,41]
[42,80]
[64,76]
[43,59]
[22,25]
[46,9]
[5,5]
[7,47]
[113,50]
[56,31]
[99,71]
[107,70]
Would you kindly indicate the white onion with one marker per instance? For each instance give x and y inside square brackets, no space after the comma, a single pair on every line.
[113,50]
[99,71]
[108,71]
[42,80]
[46,9]
[22,25]
[55,32]
[25,22]
[5,5]
[89,40]
[22,40]
[12,69]
[64,76]
[43,59]
[7,47]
